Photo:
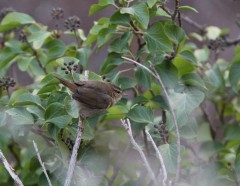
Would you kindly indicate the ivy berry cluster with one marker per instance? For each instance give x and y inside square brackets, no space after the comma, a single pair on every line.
[69,67]
[6,82]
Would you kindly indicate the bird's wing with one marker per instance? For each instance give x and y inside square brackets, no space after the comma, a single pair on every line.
[93,98]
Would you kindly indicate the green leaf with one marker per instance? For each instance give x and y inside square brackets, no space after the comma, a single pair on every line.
[151,3]
[26,99]
[209,149]
[38,37]
[113,60]
[104,36]
[234,74]
[187,8]
[161,12]
[231,132]
[237,167]
[15,19]
[214,78]
[168,73]
[193,79]
[24,62]
[139,12]
[3,117]
[175,33]
[63,60]
[143,78]
[83,55]
[71,107]
[116,112]
[169,154]
[20,116]
[55,49]
[100,6]
[94,76]
[7,58]
[120,45]
[141,114]
[156,39]
[126,83]
[204,133]
[185,62]
[56,114]
[185,101]
[120,19]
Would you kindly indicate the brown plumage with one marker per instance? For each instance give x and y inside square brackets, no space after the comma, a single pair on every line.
[93,97]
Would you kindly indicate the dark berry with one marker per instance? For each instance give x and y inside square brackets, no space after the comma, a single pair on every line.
[57,13]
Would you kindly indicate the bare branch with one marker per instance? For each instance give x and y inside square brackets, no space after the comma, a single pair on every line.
[159,157]
[10,170]
[127,126]
[139,64]
[41,163]
[156,75]
[73,159]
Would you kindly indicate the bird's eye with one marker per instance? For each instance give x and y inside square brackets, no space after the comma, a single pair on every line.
[118,91]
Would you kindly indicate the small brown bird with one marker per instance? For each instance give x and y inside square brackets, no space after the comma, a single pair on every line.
[93,97]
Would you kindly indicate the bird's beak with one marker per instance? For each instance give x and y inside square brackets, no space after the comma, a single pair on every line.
[124,94]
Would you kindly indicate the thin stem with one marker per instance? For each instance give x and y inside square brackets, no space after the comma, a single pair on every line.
[127,126]
[175,125]
[77,39]
[73,159]
[155,74]
[10,170]
[41,163]
[159,155]
[139,64]
[35,53]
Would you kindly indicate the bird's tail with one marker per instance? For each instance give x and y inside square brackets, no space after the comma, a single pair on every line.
[72,86]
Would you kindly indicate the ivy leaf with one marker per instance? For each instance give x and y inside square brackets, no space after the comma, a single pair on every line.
[83,55]
[100,6]
[113,60]
[185,62]
[139,12]
[156,39]
[151,3]
[175,33]
[143,78]
[127,83]
[55,49]
[120,19]
[116,112]
[15,19]
[141,114]
[168,73]
[56,114]
[185,101]
[26,99]
[120,45]
[194,79]
[20,116]
[169,154]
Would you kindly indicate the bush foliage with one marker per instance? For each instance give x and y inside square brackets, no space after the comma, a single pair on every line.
[201,86]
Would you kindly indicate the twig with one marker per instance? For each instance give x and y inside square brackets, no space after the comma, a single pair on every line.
[127,126]
[73,159]
[10,170]
[176,11]
[139,64]
[159,157]
[194,24]
[41,163]
[156,75]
